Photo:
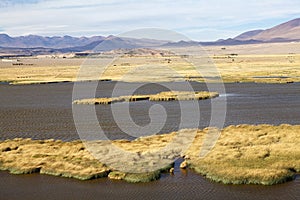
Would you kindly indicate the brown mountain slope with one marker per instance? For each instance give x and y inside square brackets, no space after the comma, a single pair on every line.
[248,34]
[286,31]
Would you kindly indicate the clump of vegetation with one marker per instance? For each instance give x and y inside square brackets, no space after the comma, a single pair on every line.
[142,177]
[116,175]
[67,159]
[135,177]
[248,154]
[162,96]
[73,160]
[182,96]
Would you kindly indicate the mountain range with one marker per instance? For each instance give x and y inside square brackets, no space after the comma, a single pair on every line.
[34,44]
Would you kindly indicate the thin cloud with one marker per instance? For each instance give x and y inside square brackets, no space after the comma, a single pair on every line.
[199,20]
[8,3]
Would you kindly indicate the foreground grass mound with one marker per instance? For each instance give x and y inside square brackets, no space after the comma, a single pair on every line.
[243,154]
[248,154]
[67,159]
[162,96]
[73,160]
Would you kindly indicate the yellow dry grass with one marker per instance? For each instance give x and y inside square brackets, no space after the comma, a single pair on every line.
[259,68]
[243,154]
[268,63]
[40,70]
[67,159]
[182,95]
[162,96]
[72,159]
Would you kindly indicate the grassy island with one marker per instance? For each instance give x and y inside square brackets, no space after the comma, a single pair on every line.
[162,96]
[243,154]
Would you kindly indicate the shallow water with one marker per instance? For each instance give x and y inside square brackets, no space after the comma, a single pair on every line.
[45,111]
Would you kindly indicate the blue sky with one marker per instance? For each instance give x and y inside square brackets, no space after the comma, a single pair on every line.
[202,20]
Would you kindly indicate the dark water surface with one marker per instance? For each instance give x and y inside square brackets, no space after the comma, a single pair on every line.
[181,185]
[45,111]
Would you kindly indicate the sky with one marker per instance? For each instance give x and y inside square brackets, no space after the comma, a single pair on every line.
[202,20]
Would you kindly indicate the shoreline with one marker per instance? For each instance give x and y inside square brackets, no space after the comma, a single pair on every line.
[244,154]
[266,80]
[263,81]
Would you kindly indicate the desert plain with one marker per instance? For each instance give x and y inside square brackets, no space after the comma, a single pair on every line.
[262,63]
